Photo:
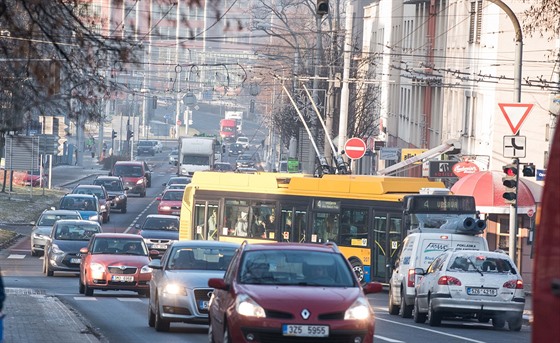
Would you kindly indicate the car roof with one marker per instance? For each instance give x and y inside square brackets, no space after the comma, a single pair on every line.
[162,216]
[173,190]
[203,243]
[60,212]
[107,177]
[89,186]
[117,235]
[74,195]
[77,221]
[131,163]
[326,247]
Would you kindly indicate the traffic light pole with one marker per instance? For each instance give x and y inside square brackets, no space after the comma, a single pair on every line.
[513,220]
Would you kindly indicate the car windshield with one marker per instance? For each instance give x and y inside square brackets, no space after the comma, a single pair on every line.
[134,171]
[172,196]
[472,263]
[50,219]
[110,185]
[75,231]
[303,268]
[119,246]
[145,143]
[80,204]
[200,258]
[168,224]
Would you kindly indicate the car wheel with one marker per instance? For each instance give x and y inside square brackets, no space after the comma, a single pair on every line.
[483,319]
[104,218]
[48,270]
[210,332]
[143,194]
[151,317]
[358,268]
[109,216]
[123,210]
[434,318]
[515,323]
[405,310]
[81,288]
[418,317]
[87,290]
[144,293]
[393,309]
[34,252]
[498,322]
[44,265]
[160,323]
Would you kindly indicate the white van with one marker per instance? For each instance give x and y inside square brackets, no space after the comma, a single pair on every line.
[419,249]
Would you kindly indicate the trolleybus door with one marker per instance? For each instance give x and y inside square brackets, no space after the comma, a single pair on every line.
[206,220]
[293,224]
[387,237]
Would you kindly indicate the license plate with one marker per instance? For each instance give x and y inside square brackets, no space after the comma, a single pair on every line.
[122,278]
[203,304]
[492,292]
[176,213]
[76,260]
[305,330]
[159,246]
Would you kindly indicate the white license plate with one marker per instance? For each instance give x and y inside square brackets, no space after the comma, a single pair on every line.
[492,292]
[159,246]
[122,278]
[176,213]
[305,330]
[76,260]
[203,304]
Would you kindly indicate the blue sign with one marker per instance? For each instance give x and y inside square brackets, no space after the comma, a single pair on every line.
[540,174]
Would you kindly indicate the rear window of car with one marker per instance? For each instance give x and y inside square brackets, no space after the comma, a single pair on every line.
[480,263]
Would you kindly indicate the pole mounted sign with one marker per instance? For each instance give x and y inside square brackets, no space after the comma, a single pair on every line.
[515,114]
[355,148]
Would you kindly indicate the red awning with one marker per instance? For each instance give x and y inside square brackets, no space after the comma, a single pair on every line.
[487,189]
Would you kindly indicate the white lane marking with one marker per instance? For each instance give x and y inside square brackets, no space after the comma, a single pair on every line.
[85,298]
[430,330]
[387,339]
[16,256]
[131,226]
[129,299]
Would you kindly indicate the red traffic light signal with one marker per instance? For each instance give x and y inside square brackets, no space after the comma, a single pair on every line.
[510,182]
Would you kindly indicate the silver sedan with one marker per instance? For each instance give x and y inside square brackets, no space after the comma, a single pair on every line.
[179,289]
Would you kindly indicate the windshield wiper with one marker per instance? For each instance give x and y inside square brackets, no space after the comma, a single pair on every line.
[475,267]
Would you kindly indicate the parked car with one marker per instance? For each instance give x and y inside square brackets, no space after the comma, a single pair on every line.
[86,204]
[179,289]
[159,231]
[245,161]
[222,166]
[145,147]
[136,175]
[255,299]
[471,284]
[102,197]
[116,261]
[62,251]
[116,190]
[244,141]
[43,226]
[34,179]
[236,149]
[170,202]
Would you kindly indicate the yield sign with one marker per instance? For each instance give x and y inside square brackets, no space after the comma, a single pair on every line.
[515,114]
[355,148]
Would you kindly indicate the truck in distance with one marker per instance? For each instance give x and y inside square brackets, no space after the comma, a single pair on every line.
[196,153]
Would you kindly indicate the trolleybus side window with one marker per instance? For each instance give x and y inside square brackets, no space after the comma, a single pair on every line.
[236,221]
[206,219]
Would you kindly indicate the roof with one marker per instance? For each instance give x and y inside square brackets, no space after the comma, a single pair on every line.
[60,212]
[162,216]
[327,247]
[201,243]
[77,221]
[74,195]
[132,163]
[117,235]
[107,177]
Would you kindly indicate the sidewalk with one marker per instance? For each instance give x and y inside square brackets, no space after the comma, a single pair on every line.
[64,175]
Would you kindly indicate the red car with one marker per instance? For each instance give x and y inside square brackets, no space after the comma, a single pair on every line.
[170,202]
[116,261]
[284,292]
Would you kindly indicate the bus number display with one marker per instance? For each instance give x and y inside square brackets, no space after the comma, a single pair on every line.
[443,204]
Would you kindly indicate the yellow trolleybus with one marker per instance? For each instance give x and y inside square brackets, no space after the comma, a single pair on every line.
[367,216]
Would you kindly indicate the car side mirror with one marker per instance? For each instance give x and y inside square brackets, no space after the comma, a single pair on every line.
[137,226]
[84,251]
[158,198]
[419,271]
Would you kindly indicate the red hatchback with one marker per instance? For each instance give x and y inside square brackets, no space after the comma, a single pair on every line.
[170,202]
[290,292]
[115,261]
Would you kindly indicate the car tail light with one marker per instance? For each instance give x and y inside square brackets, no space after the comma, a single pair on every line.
[449,281]
[411,278]
[514,284]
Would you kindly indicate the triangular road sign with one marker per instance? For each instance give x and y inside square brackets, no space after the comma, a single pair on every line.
[515,114]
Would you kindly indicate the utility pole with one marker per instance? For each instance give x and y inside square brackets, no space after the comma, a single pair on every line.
[345,93]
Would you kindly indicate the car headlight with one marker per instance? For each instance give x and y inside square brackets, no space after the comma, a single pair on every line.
[145,269]
[139,182]
[174,289]
[39,236]
[94,218]
[360,310]
[97,270]
[56,250]
[103,207]
[246,306]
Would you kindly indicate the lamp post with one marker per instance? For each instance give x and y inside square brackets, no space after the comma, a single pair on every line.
[517,71]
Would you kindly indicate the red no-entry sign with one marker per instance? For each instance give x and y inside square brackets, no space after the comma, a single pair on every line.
[355,148]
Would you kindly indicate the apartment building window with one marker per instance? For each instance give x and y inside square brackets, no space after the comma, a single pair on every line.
[475,28]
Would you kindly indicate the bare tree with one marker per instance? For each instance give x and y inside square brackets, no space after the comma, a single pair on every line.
[542,17]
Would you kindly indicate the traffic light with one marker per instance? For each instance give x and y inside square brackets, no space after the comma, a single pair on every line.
[510,182]
[322,7]
[114,134]
[129,134]
[529,169]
